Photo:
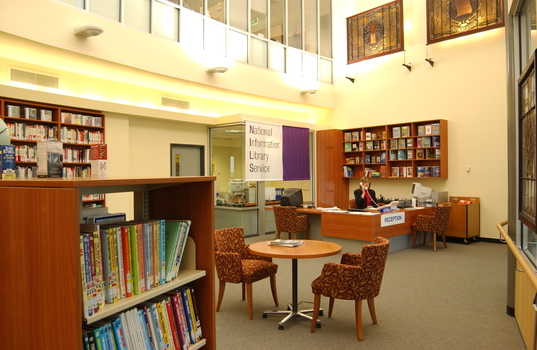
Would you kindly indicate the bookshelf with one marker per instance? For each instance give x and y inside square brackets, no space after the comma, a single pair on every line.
[40,254]
[405,150]
[30,122]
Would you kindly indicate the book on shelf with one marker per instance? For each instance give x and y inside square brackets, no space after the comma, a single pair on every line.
[368,135]
[436,171]
[396,131]
[426,141]
[420,171]
[435,128]
[286,242]
[436,141]
[408,143]
[30,113]
[401,143]
[382,157]
[393,144]
[348,171]
[376,145]
[360,146]
[49,158]
[437,153]
[355,136]
[45,115]
[409,171]
[13,111]
[430,153]
[348,147]
[427,171]
[347,136]
[405,131]
[369,145]
[409,154]
[354,147]
[421,130]
[7,162]
[401,154]
[393,155]
[402,171]
[176,236]
[428,129]
[419,154]
[367,158]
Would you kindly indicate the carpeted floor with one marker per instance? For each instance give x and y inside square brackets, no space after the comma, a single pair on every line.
[452,299]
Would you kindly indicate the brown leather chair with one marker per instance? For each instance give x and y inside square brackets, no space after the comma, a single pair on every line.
[358,277]
[288,221]
[235,264]
[436,223]
[352,203]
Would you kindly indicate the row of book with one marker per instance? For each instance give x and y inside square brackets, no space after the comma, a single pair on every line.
[361,135]
[83,137]
[26,132]
[122,259]
[170,321]
[14,111]
[81,119]
[428,171]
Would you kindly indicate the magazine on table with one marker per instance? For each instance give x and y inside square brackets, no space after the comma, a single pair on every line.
[286,242]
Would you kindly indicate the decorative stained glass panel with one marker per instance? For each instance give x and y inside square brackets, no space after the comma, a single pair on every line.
[527,149]
[376,32]
[447,19]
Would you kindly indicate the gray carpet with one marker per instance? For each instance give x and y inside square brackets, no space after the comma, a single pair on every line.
[452,299]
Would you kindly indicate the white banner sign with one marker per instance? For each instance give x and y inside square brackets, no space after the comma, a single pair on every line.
[263,152]
[392,219]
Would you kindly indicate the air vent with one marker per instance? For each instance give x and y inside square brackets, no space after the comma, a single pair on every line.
[175,103]
[33,78]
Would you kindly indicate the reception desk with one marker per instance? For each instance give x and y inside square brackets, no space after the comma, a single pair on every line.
[367,227]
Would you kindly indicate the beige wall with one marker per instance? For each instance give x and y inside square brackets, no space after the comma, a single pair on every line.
[124,73]
[466,86]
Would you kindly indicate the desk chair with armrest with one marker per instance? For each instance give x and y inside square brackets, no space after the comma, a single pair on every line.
[288,221]
[436,223]
[352,203]
[358,277]
[235,264]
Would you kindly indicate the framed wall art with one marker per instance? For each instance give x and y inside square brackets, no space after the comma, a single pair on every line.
[375,32]
[447,19]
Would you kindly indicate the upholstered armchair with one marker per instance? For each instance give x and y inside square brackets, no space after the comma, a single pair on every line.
[358,277]
[436,223]
[288,221]
[235,264]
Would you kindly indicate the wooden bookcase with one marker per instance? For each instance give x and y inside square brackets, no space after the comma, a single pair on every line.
[40,260]
[26,132]
[408,150]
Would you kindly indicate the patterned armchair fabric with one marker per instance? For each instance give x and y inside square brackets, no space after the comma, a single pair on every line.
[436,224]
[357,277]
[235,264]
[288,221]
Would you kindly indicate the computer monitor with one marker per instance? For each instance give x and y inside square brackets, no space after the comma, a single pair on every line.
[292,197]
[419,191]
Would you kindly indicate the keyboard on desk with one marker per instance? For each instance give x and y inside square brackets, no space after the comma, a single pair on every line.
[356,209]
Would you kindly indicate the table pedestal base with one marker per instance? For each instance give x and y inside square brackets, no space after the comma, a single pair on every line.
[290,313]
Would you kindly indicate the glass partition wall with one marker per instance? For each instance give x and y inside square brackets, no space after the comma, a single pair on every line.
[241,203]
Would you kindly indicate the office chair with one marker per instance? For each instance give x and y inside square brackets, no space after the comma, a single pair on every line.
[288,221]
[358,277]
[235,264]
[352,203]
[436,223]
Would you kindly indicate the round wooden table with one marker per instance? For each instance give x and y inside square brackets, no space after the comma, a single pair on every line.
[310,249]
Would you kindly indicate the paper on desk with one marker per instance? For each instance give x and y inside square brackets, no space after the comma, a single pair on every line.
[333,209]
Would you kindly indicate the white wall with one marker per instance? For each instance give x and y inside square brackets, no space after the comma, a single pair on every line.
[466,86]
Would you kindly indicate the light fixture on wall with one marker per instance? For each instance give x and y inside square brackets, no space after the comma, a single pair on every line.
[88,30]
[308,91]
[430,60]
[351,79]
[408,66]
[217,69]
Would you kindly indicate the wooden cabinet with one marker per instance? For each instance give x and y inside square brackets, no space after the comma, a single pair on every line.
[31,122]
[464,221]
[332,189]
[411,150]
[40,260]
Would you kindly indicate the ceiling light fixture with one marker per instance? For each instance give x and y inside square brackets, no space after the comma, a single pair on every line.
[89,30]
[218,69]
[308,91]
[430,60]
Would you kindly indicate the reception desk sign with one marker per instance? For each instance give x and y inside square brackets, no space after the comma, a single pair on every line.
[391,219]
